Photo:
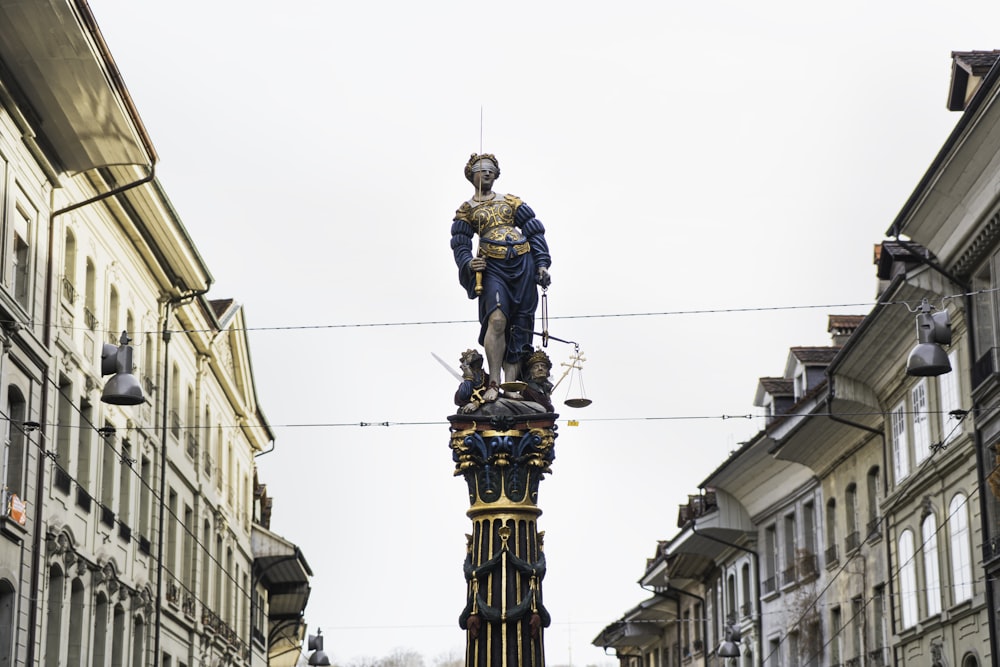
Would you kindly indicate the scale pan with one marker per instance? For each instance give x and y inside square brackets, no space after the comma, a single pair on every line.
[578,402]
[514,386]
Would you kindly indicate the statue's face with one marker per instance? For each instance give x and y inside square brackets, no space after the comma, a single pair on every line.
[484,174]
[538,370]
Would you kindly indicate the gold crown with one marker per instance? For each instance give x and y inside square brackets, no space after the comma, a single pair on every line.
[540,356]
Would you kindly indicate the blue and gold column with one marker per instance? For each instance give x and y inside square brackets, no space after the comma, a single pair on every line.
[503,460]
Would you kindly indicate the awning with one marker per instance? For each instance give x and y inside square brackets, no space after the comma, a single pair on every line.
[281,568]
[60,65]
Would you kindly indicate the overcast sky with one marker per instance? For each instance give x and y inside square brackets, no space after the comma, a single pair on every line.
[729,156]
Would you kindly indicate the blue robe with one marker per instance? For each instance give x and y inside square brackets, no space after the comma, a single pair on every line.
[509,283]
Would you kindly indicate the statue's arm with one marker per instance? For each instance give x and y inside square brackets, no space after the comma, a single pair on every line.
[534,231]
[461,248]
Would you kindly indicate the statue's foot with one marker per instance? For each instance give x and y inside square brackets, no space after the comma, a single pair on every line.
[516,395]
[491,394]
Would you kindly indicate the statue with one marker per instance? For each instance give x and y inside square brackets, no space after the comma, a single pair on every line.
[511,261]
[469,396]
[537,368]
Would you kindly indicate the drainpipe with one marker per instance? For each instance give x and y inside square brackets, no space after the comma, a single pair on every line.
[756,576]
[165,398]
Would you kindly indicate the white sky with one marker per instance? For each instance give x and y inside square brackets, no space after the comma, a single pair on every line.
[683,156]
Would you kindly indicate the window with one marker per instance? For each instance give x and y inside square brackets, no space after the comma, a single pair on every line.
[932,574]
[125,483]
[85,436]
[790,547]
[24,222]
[114,315]
[961,556]
[14,454]
[108,461]
[907,580]
[873,496]
[8,601]
[100,630]
[900,447]
[836,625]
[53,629]
[146,473]
[831,531]
[69,270]
[745,580]
[770,558]
[171,520]
[921,422]
[858,628]
[878,606]
[851,514]
[90,296]
[950,400]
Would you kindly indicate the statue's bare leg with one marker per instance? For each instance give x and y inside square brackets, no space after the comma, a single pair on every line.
[495,346]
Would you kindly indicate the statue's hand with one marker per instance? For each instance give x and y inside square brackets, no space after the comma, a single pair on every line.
[478,264]
[544,279]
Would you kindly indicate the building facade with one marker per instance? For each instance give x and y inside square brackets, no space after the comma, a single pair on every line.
[131,534]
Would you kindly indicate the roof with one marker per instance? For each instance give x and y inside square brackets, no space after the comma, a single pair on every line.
[977,63]
[778,386]
[63,69]
[841,322]
[814,355]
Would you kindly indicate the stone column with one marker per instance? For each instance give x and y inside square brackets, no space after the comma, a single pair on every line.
[503,460]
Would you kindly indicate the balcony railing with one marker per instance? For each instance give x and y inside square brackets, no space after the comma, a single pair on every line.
[877,657]
[789,576]
[189,606]
[175,424]
[62,480]
[90,319]
[808,567]
[874,529]
[984,367]
[68,291]
[852,542]
[769,585]
[207,458]
[173,592]
[746,610]
[192,447]
[82,499]
[107,516]
[830,556]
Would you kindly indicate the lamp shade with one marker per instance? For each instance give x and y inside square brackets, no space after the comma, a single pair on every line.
[728,649]
[122,389]
[926,360]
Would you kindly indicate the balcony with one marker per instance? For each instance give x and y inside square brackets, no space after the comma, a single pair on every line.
[984,368]
[68,291]
[746,610]
[853,542]
[831,557]
[62,480]
[90,319]
[191,447]
[808,565]
[83,499]
[207,459]
[173,592]
[107,516]
[124,532]
[874,529]
[789,576]
[770,585]
[877,658]
[175,424]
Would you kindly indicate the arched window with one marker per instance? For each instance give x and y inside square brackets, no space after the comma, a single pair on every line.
[114,315]
[745,580]
[69,268]
[90,296]
[907,580]
[8,599]
[961,553]
[138,642]
[100,630]
[53,617]
[77,614]
[932,573]
[118,637]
